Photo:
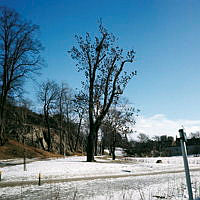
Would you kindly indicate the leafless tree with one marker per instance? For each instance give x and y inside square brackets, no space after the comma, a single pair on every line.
[142,137]
[120,120]
[195,135]
[104,65]
[19,57]
[48,96]
[69,119]
[80,108]
[64,97]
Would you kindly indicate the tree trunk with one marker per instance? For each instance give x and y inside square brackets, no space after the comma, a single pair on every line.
[46,115]
[113,146]
[61,135]
[3,138]
[70,137]
[102,147]
[96,144]
[49,139]
[78,134]
[64,143]
[90,147]
[113,152]
[61,141]
[61,119]
[91,143]
[70,142]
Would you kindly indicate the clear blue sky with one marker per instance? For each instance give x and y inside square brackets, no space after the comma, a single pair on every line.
[165,35]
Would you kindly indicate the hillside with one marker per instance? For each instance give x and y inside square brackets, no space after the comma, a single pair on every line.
[14,149]
[23,124]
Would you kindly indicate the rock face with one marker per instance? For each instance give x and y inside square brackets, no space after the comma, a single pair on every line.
[36,136]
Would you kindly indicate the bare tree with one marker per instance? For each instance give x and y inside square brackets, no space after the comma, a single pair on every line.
[120,121]
[80,108]
[48,95]
[69,115]
[64,97]
[19,57]
[142,137]
[65,112]
[195,135]
[104,65]
[61,98]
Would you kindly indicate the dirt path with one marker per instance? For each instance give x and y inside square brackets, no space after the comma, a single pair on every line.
[48,181]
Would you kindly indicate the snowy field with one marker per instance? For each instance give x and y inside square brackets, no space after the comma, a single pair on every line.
[125,178]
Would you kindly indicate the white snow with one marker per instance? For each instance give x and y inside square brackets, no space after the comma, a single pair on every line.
[77,167]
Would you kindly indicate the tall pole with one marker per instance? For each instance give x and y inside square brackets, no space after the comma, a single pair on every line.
[183,139]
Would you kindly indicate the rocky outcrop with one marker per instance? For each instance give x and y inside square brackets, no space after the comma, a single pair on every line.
[35,136]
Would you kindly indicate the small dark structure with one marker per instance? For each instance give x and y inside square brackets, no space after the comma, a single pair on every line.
[158,161]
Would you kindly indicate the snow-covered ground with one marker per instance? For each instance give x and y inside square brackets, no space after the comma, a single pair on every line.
[127,178]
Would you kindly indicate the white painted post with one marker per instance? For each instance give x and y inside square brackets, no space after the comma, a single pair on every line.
[183,139]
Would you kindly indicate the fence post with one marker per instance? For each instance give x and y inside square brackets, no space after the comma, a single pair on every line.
[183,139]
[39,179]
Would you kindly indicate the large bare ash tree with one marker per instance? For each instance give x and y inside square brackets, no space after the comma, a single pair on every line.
[107,71]
[19,57]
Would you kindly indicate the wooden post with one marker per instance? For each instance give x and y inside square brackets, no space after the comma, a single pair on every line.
[39,179]
[0,175]
[183,139]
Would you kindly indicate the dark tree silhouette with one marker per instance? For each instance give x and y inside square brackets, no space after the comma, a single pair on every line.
[19,57]
[104,65]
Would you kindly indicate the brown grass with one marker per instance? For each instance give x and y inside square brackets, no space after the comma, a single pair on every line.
[13,149]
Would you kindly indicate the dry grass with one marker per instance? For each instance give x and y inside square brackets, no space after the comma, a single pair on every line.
[13,149]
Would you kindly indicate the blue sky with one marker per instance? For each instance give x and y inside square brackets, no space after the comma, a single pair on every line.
[164,34]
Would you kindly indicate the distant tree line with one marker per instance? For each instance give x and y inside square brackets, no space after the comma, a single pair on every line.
[162,146]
